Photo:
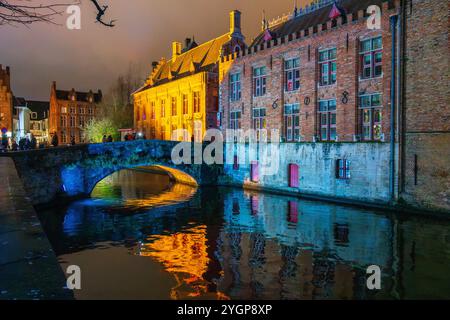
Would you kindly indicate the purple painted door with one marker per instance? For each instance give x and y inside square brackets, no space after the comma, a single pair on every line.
[255,171]
[293,212]
[293,176]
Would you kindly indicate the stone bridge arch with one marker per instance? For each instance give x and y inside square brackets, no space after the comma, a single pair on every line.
[74,171]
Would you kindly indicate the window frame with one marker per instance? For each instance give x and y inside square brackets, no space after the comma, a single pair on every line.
[235,87]
[291,123]
[371,110]
[292,71]
[343,169]
[259,78]
[328,62]
[328,114]
[371,52]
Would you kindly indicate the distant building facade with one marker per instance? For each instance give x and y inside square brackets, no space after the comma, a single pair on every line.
[181,95]
[6,100]
[21,118]
[70,111]
[39,120]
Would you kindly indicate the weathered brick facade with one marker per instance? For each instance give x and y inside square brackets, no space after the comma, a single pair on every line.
[426,147]
[70,111]
[345,34]
[6,99]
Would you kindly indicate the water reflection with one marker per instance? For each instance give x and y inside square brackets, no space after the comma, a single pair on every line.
[161,240]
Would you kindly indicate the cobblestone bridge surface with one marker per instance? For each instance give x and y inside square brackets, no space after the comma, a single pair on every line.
[25,249]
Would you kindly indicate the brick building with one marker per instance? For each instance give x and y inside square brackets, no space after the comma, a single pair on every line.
[181,94]
[70,111]
[313,77]
[425,179]
[6,100]
[322,75]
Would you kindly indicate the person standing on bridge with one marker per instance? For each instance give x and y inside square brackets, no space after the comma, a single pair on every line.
[55,141]
[104,140]
[109,139]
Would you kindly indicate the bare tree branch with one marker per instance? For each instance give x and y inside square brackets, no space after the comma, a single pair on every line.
[24,12]
[101,13]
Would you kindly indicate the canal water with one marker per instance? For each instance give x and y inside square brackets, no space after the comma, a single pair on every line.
[140,236]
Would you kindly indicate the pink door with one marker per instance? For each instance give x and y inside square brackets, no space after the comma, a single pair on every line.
[255,171]
[293,212]
[293,176]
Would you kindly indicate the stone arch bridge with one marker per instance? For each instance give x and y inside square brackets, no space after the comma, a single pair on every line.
[73,171]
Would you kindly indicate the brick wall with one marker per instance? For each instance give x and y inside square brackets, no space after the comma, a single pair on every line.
[345,38]
[426,158]
[5,99]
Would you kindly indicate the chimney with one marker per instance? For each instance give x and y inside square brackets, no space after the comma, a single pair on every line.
[176,49]
[7,70]
[187,43]
[154,64]
[54,85]
[235,23]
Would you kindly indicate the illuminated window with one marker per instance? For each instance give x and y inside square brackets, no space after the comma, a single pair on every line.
[196,101]
[259,120]
[63,121]
[371,116]
[163,108]
[174,106]
[327,66]
[185,104]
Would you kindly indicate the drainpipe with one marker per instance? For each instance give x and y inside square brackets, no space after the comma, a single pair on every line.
[393,20]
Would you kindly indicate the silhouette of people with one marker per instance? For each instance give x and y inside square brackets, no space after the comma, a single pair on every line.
[55,140]
[104,139]
[72,140]
[109,139]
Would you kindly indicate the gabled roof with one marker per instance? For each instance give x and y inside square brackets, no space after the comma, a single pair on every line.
[80,96]
[316,17]
[19,102]
[40,107]
[200,58]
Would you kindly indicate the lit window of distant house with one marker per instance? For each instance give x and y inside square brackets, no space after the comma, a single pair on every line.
[259,81]
[292,122]
[63,109]
[342,169]
[327,66]
[196,98]
[72,121]
[327,117]
[371,116]
[292,74]
[235,120]
[371,53]
[235,87]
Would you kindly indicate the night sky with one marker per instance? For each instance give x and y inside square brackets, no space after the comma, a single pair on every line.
[93,57]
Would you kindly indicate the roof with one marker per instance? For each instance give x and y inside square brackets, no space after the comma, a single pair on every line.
[80,96]
[200,58]
[304,21]
[40,107]
[19,102]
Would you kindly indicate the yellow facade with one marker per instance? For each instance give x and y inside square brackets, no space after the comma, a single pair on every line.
[180,99]
[175,110]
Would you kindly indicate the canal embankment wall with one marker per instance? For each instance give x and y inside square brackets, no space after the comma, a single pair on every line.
[29,268]
[315,167]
